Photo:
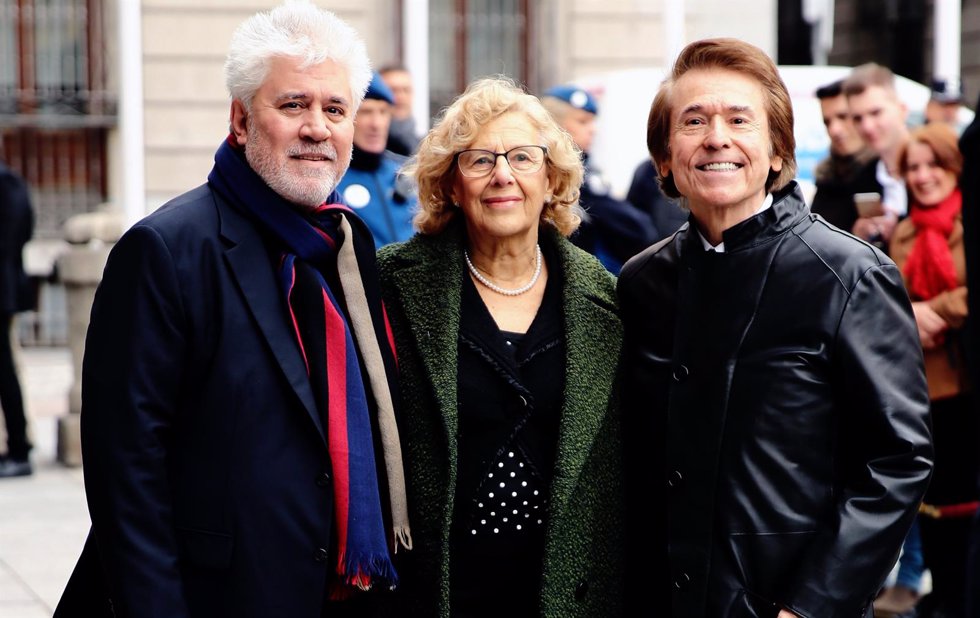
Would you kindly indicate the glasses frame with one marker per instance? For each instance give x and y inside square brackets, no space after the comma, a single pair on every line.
[496,155]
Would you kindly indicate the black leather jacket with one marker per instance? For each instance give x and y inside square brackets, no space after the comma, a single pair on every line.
[777,390]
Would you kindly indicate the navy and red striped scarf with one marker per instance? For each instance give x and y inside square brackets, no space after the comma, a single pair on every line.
[311,247]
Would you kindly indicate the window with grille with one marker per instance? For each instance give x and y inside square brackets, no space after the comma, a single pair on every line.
[55,107]
[469,39]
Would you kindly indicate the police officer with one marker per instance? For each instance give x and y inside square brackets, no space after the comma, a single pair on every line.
[372,186]
[612,230]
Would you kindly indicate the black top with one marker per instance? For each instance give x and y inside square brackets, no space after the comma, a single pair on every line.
[612,230]
[838,179]
[644,193]
[510,392]
[16,227]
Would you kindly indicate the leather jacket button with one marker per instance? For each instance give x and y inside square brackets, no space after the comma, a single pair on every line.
[323,479]
[320,555]
[581,590]
[681,373]
[681,581]
[675,479]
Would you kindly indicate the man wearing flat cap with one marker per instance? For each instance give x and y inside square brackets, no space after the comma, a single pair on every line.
[612,230]
[372,186]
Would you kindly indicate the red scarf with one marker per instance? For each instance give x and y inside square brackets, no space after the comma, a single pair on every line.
[929,269]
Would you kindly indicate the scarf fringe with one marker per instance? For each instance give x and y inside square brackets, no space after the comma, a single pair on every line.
[360,574]
[401,536]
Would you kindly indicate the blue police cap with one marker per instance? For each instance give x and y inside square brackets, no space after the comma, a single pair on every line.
[574,96]
[379,90]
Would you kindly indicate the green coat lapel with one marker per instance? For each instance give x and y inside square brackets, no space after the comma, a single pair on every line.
[593,338]
[430,279]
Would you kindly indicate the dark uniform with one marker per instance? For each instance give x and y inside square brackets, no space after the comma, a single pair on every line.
[667,214]
[612,230]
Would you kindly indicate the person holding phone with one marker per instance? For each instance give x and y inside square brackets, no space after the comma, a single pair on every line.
[849,169]
[879,116]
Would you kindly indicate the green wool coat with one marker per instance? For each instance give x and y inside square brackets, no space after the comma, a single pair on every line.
[583,562]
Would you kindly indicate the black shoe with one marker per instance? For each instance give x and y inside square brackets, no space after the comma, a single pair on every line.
[14,467]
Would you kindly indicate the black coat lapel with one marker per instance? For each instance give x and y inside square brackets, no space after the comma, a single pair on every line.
[251,267]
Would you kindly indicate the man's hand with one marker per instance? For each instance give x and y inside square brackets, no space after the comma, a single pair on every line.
[931,326]
[871,228]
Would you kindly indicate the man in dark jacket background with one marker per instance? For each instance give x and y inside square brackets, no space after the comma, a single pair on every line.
[850,166]
[775,383]
[970,185]
[16,227]
[612,230]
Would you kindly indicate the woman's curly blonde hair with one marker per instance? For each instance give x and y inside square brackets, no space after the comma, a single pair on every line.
[484,100]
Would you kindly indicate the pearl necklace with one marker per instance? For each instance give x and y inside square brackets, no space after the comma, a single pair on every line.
[496,288]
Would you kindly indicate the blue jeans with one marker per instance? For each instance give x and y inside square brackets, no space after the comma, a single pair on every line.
[911,563]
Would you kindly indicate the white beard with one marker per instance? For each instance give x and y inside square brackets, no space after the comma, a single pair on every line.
[308,189]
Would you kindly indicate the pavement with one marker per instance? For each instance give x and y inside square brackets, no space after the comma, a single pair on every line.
[43,517]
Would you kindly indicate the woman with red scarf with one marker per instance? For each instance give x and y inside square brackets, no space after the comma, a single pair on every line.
[928,248]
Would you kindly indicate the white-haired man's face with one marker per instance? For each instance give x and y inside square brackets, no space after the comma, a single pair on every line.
[299,131]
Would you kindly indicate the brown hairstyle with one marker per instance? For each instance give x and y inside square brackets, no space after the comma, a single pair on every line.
[941,139]
[483,101]
[740,57]
[867,75]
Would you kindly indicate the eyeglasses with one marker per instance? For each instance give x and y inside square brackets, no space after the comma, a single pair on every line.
[477,163]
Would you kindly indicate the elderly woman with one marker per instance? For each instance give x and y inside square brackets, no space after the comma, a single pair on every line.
[928,247]
[508,340]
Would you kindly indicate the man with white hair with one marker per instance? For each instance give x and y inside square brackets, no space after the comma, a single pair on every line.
[229,419]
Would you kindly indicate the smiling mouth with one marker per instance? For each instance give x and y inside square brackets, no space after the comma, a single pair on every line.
[311,157]
[719,167]
[500,201]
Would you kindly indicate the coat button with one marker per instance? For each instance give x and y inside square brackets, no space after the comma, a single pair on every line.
[675,479]
[323,479]
[320,555]
[681,581]
[681,373]
[581,590]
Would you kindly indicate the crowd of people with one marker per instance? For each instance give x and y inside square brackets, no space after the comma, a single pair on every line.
[367,372]
[898,188]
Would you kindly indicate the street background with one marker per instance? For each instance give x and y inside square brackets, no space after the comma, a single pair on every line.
[43,518]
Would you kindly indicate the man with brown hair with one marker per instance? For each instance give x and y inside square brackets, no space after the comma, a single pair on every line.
[850,166]
[879,116]
[774,378]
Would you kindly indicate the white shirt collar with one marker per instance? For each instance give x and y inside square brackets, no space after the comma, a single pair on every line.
[894,197]
[720,247]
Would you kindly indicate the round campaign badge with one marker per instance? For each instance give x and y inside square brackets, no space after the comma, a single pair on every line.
[357,196]
[579,99]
